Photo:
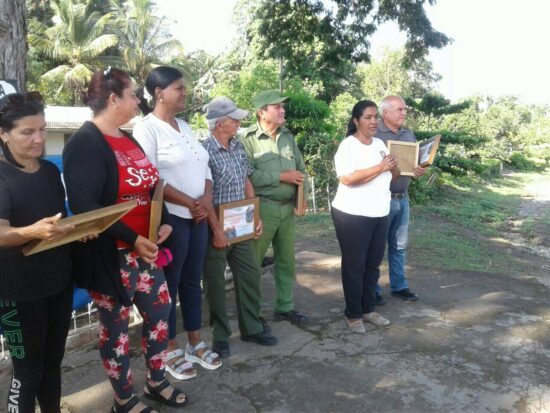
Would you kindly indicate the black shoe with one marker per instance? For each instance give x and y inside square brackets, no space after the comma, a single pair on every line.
[263,339]
[267,261]
[380,300]
[293,316]
[222,348]
[266,327]
[405,295]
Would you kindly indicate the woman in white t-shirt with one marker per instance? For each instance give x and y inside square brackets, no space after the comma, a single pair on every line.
[360,211]
[182,162]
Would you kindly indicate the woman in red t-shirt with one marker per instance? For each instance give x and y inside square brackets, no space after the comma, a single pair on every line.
[104,165]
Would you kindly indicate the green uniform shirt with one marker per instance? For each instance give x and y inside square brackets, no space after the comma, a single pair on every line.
[269,158]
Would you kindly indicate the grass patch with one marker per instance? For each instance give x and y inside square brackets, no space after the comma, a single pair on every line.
[438,245]
[485,207]
[536,229]
[315,225]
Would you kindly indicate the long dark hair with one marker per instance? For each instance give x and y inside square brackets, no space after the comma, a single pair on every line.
[14,107]
[357,112]
[161,77]
[102,84]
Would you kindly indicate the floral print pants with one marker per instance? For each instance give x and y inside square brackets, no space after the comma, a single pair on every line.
[147,288]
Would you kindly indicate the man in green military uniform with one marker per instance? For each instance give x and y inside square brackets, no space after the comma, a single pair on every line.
[278,171]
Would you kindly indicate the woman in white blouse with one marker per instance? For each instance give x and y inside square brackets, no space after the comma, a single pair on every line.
[360,211]
[170,144]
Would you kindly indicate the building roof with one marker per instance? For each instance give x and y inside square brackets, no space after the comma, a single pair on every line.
[68,118]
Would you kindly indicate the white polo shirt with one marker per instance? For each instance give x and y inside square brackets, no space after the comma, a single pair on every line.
[180,158]
[371,199]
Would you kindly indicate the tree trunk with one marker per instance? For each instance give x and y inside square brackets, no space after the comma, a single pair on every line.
[13,41]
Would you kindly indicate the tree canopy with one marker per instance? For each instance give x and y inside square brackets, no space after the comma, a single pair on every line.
[322,39]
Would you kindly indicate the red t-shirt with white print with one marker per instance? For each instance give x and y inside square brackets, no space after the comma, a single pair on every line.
[136,178]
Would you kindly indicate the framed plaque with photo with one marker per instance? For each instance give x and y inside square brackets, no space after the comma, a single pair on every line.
[427,150]
[88,223]
[239,219]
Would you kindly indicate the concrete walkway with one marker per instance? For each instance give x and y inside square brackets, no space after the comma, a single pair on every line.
[473,343]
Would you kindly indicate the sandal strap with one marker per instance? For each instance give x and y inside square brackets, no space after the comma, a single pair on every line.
[157,389]
[209,356]
[185,365]
[129,405]
[163,385]
[200,344]
[173,354]
[174,396]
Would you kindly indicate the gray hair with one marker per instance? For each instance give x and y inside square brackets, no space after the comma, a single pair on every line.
[387,102]
[213,122]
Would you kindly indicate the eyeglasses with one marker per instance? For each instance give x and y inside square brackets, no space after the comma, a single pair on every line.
[18,100]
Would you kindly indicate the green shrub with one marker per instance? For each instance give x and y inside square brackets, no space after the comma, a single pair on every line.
[520,162]
[487,167]
[422,190]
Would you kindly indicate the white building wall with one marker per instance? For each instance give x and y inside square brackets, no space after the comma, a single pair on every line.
[54,143]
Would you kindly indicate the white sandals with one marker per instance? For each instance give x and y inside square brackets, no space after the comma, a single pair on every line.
[206,359]
[182,369]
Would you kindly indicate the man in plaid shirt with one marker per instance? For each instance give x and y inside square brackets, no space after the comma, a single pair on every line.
[230,171]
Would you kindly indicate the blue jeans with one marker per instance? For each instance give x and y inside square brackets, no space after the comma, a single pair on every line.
[183,275]
[398,238]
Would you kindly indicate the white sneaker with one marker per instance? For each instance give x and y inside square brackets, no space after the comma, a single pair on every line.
[376,319]
[356,325]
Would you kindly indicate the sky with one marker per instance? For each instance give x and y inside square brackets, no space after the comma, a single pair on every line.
[500,47]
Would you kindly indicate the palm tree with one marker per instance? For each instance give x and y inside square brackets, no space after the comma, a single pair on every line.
[77,42]
[143,40]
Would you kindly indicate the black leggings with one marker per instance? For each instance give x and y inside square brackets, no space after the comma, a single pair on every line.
[36,332]
[362,242]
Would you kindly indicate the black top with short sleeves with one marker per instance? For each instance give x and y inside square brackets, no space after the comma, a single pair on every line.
[24,199]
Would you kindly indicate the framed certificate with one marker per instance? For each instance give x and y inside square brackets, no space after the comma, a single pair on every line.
[156,212]
[406,154]
[88,223]
[239,219]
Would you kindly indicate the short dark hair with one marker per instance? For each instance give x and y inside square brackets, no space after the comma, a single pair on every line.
[357,112]
[264,107]
[161,77]
[102,84]
[14,107]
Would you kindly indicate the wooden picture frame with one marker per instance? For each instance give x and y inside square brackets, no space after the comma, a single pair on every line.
[299,199]
[239,219]
[427,151]
[406,154]
[156,212]
[88,223]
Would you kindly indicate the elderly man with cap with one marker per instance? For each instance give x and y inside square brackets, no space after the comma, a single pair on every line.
[230,177]
[278,170]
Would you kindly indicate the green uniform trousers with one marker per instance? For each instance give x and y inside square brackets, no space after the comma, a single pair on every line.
[278,229]
[246,277]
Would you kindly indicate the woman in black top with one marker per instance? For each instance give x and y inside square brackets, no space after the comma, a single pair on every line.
[35,290]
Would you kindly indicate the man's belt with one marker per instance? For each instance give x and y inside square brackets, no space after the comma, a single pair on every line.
[272,201]
[399,196]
